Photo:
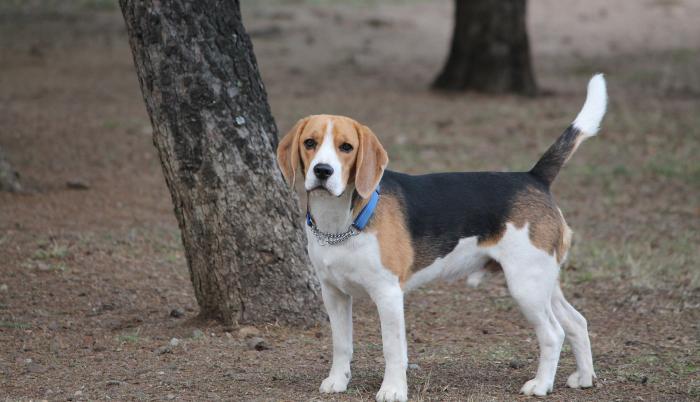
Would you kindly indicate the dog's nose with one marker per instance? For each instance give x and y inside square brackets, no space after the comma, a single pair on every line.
[323,171]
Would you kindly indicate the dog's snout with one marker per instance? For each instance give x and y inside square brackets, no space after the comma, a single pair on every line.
[323,171]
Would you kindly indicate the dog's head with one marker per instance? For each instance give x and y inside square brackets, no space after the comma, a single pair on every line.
[332,153]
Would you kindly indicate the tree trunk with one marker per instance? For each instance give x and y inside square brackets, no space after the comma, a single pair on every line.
[216,138]
[9,178]
[490,50]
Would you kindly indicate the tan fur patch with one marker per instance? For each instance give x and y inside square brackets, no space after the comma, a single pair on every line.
[565,244]
[395,246]
[491,240]
[547,228]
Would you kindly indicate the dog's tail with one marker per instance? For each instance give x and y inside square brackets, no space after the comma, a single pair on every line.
[586,125]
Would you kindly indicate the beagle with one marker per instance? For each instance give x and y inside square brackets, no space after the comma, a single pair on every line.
[379,233]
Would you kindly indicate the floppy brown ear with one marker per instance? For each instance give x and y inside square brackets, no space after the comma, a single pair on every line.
[371,162]
[288,151]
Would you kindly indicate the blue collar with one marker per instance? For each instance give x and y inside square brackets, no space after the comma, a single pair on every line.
[363,217]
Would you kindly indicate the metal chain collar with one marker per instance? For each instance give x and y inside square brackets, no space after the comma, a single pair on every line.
[331,239]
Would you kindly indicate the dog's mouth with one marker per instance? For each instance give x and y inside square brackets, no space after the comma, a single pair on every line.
[321,190]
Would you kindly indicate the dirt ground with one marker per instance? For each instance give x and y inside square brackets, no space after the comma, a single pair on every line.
[89,276]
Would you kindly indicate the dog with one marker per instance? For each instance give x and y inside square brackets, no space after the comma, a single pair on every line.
[379,233]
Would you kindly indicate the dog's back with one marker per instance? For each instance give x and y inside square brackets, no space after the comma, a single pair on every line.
[440,209]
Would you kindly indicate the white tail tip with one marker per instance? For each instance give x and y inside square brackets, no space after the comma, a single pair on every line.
[588,120]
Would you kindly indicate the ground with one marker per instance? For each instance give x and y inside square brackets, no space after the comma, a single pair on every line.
[92,264]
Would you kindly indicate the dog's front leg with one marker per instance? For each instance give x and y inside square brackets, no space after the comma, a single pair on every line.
[339,308]
[390,306]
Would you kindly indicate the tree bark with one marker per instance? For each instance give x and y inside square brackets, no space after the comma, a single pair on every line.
[9,178]
[490,50]
[216,138]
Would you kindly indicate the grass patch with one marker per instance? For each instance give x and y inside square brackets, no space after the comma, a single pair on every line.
[14,325]
[129,338]
[51,251]
[649,263]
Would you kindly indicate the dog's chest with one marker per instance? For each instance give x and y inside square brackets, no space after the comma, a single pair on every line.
[353,266]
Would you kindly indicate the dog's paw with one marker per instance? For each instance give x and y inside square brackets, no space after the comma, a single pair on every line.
[333,384]
[392,393]
[536,387]
[580,380]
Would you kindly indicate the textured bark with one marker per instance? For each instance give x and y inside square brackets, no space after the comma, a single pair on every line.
[490,50]
[9,178]
[216,137]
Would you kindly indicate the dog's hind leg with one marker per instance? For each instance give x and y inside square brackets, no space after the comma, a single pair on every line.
[576,330]
[531,280]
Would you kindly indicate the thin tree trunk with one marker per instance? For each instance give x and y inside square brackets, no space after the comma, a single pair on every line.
[9,178]
[216,138]
[490,50]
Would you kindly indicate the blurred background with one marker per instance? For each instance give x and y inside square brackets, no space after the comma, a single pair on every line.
[95,287]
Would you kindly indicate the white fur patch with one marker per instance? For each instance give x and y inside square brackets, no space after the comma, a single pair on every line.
[326,154]
[590,116]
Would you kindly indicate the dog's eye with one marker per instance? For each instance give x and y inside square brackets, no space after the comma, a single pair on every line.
[345,147]
[310,143]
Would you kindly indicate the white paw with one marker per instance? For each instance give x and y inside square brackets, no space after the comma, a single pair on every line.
[333,384]
[392,393]
[536,387]
[580,380]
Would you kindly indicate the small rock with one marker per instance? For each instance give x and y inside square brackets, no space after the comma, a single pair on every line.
[174,342]
[257,343]
[78,393]
[3,288]
[170,397]
[53,325]
[177,312]
[42,266]
[378,23]
[163,350]
[35,368]
[516,364]
[77,185]
[248,332]
[413,366]
[197,333]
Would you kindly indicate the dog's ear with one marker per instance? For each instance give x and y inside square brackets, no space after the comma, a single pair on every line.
[288,151]
[371,162]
